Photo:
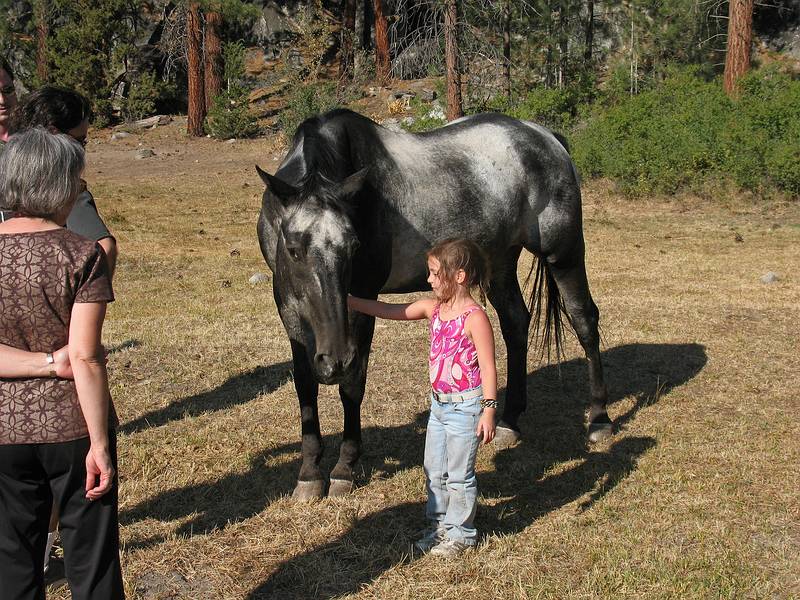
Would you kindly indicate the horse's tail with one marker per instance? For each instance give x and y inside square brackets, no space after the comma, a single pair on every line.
[547,309]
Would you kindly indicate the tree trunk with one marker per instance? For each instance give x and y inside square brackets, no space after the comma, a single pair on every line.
[197,99]
[42,31]
[381,43]
[507,47]
[366,18]
[589,37]
[214,66]
[348,38]
[740,38]
[455,108]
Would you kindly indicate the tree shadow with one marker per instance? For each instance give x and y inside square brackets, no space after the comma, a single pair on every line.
[239,389]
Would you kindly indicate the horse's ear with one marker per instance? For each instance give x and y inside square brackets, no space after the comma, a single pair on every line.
[277,186]
[353,183]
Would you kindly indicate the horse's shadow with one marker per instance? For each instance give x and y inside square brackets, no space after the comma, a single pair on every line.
[553,435]
[384,539]
[236,390]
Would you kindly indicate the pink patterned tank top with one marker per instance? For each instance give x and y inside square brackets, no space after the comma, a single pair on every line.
[453,360]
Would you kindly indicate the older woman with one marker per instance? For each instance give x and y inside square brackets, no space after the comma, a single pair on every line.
[57,440]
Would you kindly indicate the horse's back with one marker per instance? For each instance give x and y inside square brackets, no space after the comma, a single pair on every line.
[490,178]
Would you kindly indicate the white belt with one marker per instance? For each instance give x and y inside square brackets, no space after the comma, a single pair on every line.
[457,396]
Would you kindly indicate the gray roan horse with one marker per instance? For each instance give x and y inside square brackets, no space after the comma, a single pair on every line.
[353,208]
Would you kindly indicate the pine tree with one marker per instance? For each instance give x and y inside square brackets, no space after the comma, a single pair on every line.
[194,71]
[382,64]
[455,107]
[740,38]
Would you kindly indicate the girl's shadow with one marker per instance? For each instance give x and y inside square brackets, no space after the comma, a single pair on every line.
[553,434]
[384,539]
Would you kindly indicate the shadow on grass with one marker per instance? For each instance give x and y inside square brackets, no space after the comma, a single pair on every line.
[384,539]
[553,434]
[236,390]
[126,345]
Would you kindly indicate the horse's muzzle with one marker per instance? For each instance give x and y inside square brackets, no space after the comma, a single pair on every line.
[329,369]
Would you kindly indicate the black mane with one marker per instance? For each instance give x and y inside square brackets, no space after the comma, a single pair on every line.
[325,156]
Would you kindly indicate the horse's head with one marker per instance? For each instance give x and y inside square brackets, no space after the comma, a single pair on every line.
[313,240]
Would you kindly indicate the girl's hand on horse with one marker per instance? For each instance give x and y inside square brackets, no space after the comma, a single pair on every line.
[486,425]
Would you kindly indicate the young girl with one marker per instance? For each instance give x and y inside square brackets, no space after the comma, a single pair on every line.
[464,389]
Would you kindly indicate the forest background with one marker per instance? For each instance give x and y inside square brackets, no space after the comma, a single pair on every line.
[640,88]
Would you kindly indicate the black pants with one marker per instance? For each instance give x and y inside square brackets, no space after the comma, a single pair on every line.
[31,477]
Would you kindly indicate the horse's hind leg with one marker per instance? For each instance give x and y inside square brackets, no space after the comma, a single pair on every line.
[310,481]
[351,392]
[506,297]
[574,288]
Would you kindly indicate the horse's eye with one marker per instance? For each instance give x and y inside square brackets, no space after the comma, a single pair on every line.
[294,252]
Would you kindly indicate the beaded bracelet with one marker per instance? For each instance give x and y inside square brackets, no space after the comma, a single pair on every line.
[488,403]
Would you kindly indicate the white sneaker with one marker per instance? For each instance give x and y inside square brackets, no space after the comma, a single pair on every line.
[449,548]
[430,538]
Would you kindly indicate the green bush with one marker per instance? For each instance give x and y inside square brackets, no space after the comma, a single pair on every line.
[306,100]
[144,95]
[230,116]
[683,132]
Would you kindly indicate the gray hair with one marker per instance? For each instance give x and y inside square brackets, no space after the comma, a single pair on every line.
[40,173]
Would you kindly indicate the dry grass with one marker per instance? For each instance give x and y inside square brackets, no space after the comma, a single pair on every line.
[694,497]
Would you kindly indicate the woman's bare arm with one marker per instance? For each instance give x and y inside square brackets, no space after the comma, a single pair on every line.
[91,381]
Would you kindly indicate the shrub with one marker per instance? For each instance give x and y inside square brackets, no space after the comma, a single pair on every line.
[145,94]
[230,116]
[684,132]
[306,100]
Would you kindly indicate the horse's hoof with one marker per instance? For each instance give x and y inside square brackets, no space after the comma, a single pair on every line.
[505,437]
[600,431]
[340,487]
[306,491]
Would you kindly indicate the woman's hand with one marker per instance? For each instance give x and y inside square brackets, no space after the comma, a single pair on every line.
[99,472]
[62,366]
[486,426]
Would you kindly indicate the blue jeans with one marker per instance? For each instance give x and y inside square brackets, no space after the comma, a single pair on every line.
[451,446]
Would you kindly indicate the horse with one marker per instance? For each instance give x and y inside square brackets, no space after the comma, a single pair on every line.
[353,207]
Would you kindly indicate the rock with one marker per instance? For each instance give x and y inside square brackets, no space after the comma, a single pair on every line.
[119,135]
[259,278]
[392,125]
[428,95]
[408,121]
[143,153]
[403,95]
[372,92]
[147,123]
[437,112]
[231,141]
[770,277]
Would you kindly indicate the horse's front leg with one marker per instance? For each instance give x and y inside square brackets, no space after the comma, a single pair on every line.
[310,481]
[351,392]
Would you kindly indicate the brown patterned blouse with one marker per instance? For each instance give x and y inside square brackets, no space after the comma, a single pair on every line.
[42,274]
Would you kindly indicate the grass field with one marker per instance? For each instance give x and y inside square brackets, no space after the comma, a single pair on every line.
[695,496]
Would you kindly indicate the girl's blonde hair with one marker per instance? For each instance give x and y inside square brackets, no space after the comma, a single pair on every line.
[456,254]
